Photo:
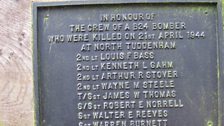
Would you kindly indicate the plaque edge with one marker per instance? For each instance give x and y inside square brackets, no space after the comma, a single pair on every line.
[92,2]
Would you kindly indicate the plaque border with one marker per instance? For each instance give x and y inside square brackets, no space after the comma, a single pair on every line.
[219,43]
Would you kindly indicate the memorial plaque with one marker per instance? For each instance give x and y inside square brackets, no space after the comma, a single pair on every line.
[128,63]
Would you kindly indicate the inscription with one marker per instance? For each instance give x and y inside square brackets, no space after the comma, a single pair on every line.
[135,86]
[126,69]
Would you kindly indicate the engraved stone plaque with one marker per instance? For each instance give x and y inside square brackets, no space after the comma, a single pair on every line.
[128,63]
